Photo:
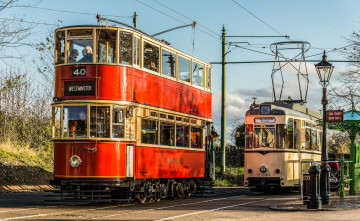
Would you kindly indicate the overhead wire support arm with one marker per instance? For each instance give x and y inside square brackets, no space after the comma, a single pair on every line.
[172,29]
[99,18]
[265,36]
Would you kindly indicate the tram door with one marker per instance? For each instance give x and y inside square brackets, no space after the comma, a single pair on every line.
[129,160]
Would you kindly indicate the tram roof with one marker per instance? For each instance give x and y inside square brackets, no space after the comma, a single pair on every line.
[133,30]
[292,109]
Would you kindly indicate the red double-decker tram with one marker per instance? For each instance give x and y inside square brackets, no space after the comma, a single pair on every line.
[130,115]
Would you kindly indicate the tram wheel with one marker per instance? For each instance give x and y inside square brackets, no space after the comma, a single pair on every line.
[141,198]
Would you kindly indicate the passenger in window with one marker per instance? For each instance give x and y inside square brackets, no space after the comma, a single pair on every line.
[153,66]
[87,53]
[74,54]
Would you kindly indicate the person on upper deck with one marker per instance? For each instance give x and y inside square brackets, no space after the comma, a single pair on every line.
[87,53]
[73,55]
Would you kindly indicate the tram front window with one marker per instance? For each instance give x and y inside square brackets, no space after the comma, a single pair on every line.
[80,51]
[75,121]
[264,136]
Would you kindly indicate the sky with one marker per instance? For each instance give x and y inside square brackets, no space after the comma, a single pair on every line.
[323,23]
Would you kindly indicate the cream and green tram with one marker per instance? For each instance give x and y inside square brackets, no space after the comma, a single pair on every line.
[278,137]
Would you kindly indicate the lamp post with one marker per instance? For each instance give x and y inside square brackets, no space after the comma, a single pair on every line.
[324,70]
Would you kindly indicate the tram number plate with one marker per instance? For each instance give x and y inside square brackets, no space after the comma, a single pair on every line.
[78,71]
[263,175]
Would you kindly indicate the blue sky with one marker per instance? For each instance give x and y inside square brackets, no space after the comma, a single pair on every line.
[322,23]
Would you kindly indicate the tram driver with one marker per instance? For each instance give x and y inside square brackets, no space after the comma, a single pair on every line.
[73,55]
[87,53]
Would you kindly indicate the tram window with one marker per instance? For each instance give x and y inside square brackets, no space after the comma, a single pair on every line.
[307,138]
[167,133]
[118,122]
[182,136]
[297,134]
[314,137]
[280,135]
[186,120]
[125,55]
[153,114]
[136,51]
[60,47]
[183,69]
[80,51]
[171,117]
[75,121]
[178,119]
[264,137]
[168,63]
[249,135]
[290,134]
[163,116]
[149,131]
[106,46]
[151,57]
[100,122]
[208,75]
[81,32]
[197,74]
[196,137]
[57,121]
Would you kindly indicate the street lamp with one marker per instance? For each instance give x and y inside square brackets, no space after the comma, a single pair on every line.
[324,70]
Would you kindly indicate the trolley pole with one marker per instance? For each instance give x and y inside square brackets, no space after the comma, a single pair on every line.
[223,100]
[135,20]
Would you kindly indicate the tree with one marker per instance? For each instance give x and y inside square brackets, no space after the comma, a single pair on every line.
[238,132]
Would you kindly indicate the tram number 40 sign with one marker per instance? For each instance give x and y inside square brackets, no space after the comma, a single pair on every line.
[334,116]
[78,71]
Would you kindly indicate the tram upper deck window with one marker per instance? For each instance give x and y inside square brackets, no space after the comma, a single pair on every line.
[100,122]
[197,74]
[183,69]
[249,129]
[297,133]
[136,51]
[125,55]
[75,121]
[151,57]
[208,77]
[80,50]
[264,136]
[106,46]
[168,63]
[60,47]
[118,122]
[80,32]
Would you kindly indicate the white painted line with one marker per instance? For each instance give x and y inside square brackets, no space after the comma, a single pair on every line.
[74,211]
[167,207]
[204,211]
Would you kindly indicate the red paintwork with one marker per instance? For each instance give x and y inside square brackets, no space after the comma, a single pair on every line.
[109,161]
[130,84]
[169,163]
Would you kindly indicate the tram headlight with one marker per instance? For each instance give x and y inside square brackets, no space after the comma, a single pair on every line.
[250,170]
[277,170]
[75,161]
[263,168]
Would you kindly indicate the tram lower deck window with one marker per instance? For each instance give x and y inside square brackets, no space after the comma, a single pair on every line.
[196,138]
[264,136]
[149,131]
[100,122]
[75,121]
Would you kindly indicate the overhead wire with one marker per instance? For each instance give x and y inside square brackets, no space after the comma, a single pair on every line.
[174,18]
[186,17]
[257,17]
[66,11]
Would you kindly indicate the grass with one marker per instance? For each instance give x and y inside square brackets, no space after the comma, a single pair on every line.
[231,178]
[23,165]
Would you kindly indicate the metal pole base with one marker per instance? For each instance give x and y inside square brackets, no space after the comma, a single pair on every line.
[314,203]
[324,184]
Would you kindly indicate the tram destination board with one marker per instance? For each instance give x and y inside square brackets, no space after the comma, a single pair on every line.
[79,88]
[334,116]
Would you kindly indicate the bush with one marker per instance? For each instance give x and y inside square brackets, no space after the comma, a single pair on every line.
[231,178]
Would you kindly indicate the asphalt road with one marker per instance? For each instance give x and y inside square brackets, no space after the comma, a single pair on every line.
[219,204]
